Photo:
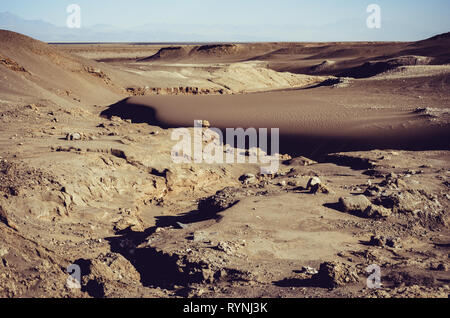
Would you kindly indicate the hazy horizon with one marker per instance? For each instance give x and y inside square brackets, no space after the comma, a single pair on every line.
[216,21]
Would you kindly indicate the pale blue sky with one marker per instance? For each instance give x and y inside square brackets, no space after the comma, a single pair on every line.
[411,19]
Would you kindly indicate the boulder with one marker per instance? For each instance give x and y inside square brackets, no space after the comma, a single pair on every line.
[354,204]
[334,274]
[221,201]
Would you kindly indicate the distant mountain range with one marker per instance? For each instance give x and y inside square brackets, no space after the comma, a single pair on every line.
[346,30]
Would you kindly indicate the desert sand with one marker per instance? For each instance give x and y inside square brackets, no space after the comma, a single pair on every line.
[87,177]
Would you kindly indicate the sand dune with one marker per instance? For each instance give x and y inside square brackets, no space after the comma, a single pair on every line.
[52,72]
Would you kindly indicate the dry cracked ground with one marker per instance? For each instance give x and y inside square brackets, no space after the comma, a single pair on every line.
[104,194]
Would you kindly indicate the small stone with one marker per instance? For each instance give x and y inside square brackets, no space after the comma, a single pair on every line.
[248,178]
[321,188]
[392,175]
[73,136]
[400,183]
[200,236]
[3,251]
[31,106]
[282,183]
[208,275]
[377,240]
[372,191]
[225,247]
[315,185]
[116,119]
[313,182]
[393,242]
[309,270]
[439,267]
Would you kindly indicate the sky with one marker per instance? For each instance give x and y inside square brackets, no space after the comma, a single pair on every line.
[404,19]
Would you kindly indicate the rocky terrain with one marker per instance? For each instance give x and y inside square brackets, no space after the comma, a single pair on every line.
[102,192]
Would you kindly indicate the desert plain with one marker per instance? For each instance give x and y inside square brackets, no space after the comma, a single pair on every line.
[87,175]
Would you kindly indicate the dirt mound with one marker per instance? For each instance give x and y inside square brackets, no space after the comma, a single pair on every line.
[211,52]
[169,53]
[216,49]
[173,53]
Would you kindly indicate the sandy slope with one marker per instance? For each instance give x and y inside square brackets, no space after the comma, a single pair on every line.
[104,193]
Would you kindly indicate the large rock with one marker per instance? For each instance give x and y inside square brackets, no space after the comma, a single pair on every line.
[362,207]
[354,204]
[221,201]
[107,274]
[334,274]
